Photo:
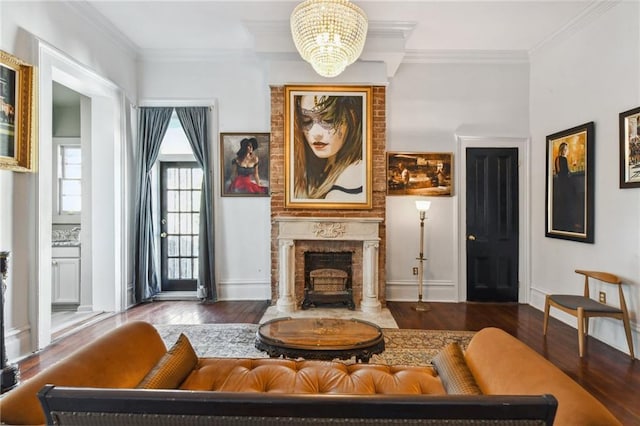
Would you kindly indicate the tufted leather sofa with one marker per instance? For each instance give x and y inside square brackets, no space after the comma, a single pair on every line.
[501,365]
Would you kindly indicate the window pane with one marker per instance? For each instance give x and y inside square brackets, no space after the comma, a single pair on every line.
[72,171]
[71,154]
[185,201]
[196,223]
[185,223]
[70,204]
[172,201]
[173,223]
[195,267]
[195,196]
[185,246]
[197,178]
[196,248]
[185,268]
[172,247]
[185,178]
[173,270]
[70,187]
[172,179]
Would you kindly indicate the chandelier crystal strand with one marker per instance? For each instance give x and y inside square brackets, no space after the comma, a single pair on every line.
[329,34]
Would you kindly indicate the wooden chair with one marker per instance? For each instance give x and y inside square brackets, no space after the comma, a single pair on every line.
[583,307]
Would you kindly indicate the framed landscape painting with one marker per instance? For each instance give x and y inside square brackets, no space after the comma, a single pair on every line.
[630,148]
[570,184]
[16,115]
[420,173]
[244,164]
[328,147]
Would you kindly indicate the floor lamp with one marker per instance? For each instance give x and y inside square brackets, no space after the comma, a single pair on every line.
[422,207]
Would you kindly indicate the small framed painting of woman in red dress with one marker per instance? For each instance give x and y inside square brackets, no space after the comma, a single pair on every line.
[244,164]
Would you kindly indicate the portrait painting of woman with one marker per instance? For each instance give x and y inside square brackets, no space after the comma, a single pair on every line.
[570,188]
[328,148]
[245,164]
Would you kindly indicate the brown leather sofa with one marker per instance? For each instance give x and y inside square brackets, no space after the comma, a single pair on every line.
[500,364]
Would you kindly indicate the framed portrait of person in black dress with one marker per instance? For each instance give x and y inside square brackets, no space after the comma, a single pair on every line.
[570,184]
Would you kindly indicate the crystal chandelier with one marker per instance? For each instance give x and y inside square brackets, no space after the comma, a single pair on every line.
[329,34]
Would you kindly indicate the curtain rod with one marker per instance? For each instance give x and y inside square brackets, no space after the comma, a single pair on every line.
[145,106]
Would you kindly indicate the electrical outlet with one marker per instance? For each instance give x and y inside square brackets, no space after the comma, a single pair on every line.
[415,270]
[602,297]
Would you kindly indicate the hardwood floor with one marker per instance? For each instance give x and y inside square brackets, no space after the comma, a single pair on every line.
[608,374]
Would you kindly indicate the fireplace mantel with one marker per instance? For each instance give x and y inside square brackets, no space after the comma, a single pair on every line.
[292,229]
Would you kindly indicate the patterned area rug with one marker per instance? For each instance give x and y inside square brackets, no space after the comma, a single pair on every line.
[402,346]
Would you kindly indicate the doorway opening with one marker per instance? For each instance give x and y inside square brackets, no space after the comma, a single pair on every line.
[102,239]
[178,180]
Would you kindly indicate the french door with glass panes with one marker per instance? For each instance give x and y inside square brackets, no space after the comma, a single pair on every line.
[180,184]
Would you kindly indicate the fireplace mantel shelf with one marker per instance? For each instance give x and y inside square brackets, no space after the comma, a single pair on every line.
[292,229]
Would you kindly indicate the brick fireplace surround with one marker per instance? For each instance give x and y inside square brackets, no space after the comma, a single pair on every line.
[294,231]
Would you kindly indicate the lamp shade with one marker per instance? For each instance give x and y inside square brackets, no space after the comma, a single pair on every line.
[329,34]
[423,205]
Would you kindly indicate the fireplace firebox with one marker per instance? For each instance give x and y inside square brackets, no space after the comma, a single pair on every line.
[328,279]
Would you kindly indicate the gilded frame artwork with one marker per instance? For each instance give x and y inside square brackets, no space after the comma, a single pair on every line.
[420,173]
[328,163]
[244,164]
[570,184]
[630,148]
[16,113]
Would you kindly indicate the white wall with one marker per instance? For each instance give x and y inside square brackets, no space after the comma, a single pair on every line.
[240,84]
[58,24]
[427,104]
[592,74]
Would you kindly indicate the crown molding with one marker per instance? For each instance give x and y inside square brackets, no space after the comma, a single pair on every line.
[196,55]
[102,24]
[466,57]
[594,10]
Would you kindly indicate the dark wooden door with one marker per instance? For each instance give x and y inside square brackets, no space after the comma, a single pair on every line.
[492,224]
[180,184]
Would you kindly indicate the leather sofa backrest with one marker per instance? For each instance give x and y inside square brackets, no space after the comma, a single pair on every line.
[141,407]
[119,359]
[503,365]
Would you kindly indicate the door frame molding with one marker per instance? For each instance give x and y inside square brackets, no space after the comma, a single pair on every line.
[523,144]
[106,141]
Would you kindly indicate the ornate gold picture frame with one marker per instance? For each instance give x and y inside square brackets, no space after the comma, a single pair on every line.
[328,147]
[16,113]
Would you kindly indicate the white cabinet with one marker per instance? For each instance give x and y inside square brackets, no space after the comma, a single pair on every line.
[65,280]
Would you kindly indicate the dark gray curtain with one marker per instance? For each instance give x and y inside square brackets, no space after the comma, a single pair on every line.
[152,126]
[194,123]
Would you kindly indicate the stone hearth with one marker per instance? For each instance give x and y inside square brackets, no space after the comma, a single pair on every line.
[321,234]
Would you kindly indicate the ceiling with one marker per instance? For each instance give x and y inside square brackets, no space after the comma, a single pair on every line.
[398,30]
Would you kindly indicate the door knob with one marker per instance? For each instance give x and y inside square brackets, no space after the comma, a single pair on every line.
[471,237]
[163,235]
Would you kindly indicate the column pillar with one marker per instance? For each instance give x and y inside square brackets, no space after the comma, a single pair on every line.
[286,274]
[370,302]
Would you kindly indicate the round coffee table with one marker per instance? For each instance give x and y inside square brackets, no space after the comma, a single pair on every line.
[320,338]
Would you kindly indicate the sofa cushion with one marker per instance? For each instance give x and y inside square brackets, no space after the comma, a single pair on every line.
[453,371]
[309,376]
[173,367]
